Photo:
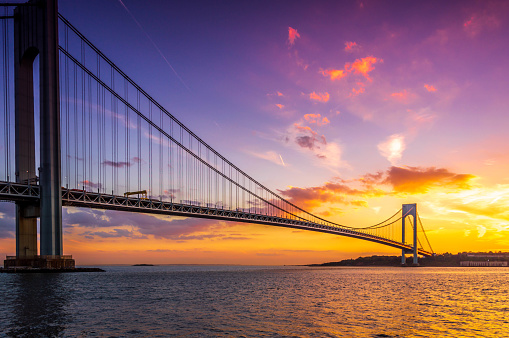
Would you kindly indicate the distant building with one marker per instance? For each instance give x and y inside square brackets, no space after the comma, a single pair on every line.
[483,263]
[489,255]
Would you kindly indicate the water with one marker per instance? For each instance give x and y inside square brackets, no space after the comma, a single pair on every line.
[217,301]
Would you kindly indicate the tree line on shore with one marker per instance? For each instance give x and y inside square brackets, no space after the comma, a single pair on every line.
[444,260]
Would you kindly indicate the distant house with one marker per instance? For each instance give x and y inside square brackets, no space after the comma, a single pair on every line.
[483,263]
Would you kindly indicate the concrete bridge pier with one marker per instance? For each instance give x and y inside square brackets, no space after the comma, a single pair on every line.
[36,33]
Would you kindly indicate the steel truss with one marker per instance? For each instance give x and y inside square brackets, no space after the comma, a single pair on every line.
[80,198]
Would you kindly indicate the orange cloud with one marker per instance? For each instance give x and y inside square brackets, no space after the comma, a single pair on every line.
[351,46]
[339,192]
[363,66]
[430,88]
[359,66]
[279,94]
[280,106]
[420,180]
[403,180]
[292,35]
[319,97]
[313,197]
[317,119]
[334,74]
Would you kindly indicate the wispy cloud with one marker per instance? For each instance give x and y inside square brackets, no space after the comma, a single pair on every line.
[271,156]
[351,46]
[480,22]
[403,96]
[392,148]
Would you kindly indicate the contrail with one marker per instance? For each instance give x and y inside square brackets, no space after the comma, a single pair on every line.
[155,46]
[281,157]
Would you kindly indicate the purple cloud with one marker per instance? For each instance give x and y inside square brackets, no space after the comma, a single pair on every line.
[7,220]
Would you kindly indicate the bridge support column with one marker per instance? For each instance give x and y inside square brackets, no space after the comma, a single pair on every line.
[24,56]
[36,33]
[410,210]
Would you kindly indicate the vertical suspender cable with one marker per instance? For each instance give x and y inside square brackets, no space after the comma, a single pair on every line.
[6,95]
[75,98]
[160,156]
[127,144]
[112,132]
[83,121]
[98,125]
[90,176]
[139,140]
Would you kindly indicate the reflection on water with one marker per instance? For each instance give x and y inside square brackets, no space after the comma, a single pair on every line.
[215,301]
[37,305]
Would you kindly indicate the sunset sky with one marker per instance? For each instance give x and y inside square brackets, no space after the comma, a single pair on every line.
[347,108]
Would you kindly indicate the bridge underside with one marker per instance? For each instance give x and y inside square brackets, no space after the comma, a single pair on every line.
[85,199]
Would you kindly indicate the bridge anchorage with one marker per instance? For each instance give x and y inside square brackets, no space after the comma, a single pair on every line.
[121,150]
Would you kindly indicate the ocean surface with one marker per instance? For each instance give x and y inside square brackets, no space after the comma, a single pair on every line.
[245,301]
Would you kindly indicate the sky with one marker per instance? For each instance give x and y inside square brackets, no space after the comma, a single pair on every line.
[347,108]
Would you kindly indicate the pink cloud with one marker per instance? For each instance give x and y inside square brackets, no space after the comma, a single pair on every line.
[430,88]
[351,46]
[280,106]
[316,119]
[275,94]
[403,96]
[292,35]
[300,61]
[320,97]
[478,23]
[358,91]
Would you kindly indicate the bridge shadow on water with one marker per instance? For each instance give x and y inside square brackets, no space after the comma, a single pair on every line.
[38,305]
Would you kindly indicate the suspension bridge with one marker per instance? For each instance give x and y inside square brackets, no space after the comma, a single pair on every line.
[103,142]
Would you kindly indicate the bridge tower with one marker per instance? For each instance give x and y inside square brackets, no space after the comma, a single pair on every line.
[36,33]
[410,210]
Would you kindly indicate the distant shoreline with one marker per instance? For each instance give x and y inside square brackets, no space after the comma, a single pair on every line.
[440,260]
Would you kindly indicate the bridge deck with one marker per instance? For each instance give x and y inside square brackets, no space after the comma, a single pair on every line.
[79,198]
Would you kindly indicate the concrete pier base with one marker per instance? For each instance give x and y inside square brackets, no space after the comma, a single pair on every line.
[40,262]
